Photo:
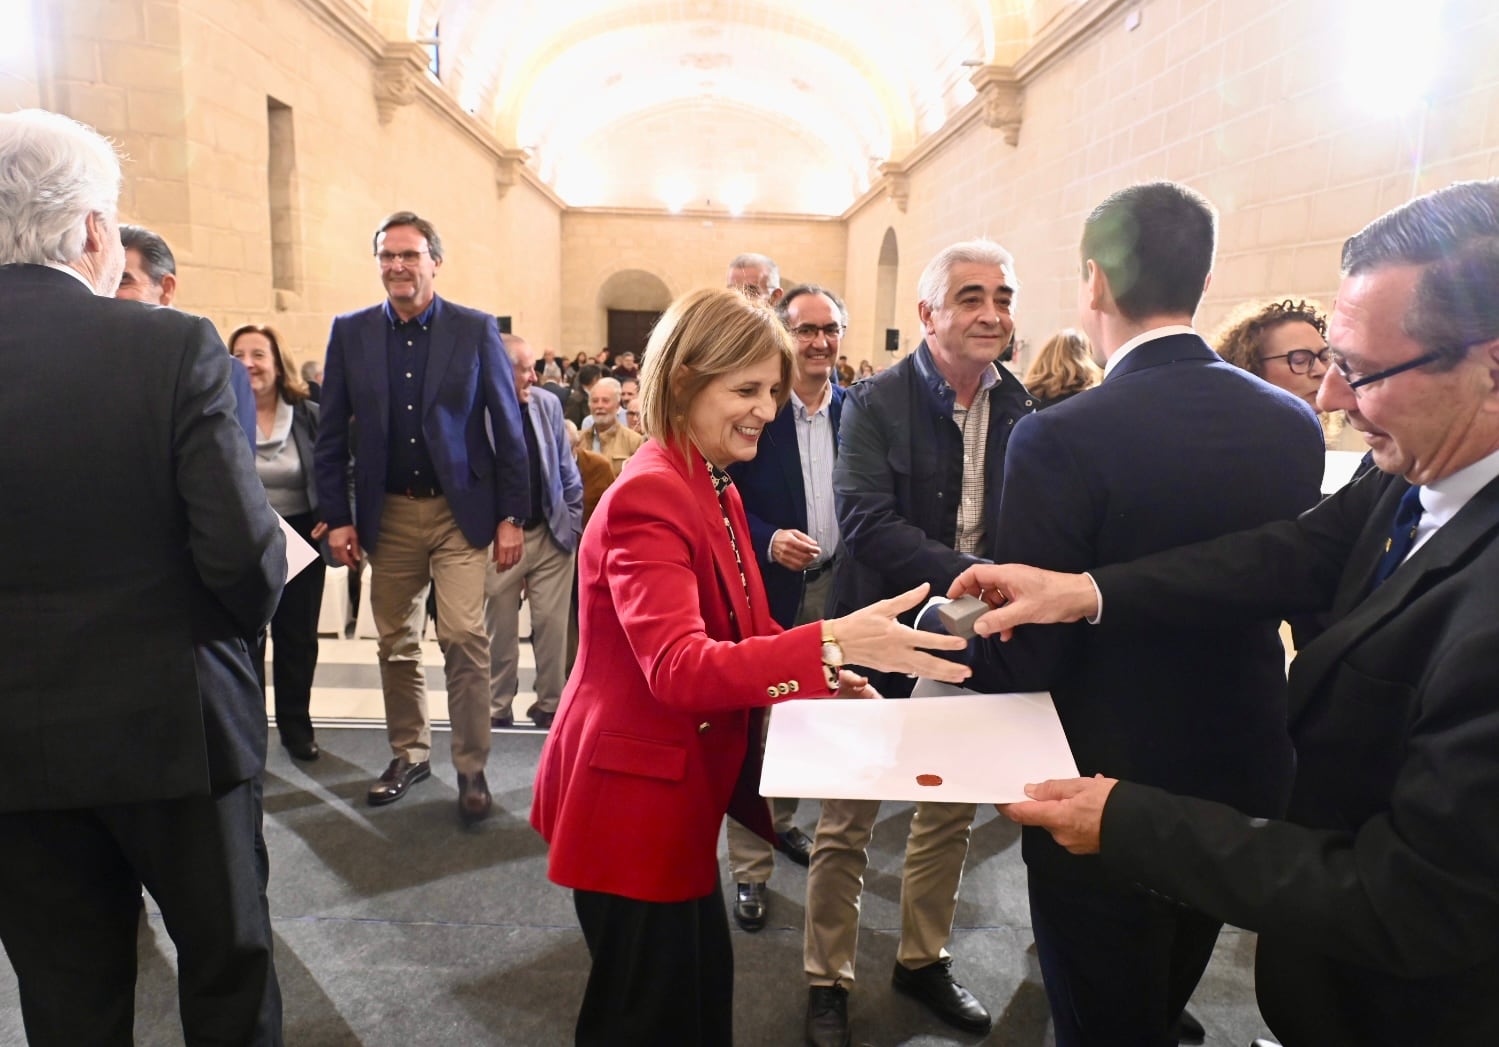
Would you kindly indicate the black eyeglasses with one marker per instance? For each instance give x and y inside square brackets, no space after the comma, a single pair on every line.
[809,332]
[1300,360]
[1357,381]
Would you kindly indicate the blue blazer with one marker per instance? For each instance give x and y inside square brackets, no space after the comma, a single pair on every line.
[771,486]
[1176,446]
[469,393]
[562,485]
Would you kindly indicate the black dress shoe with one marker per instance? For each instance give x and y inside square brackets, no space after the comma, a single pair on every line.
[307,750]
[398,777]
[749,907]
[796,845]
[474,801]
[541,719]
[827,1016]
[501,721]
[1189,1030]
[933,985]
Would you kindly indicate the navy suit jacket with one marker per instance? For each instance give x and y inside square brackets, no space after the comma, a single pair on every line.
[469,393]
[562,486]
[1175,446]
[774,499]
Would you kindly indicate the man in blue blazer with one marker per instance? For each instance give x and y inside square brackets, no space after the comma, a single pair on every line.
[439,476]
[553,525]
[788,499]
[1175,446]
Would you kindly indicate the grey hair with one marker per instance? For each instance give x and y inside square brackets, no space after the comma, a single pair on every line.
[156,256]
[54,173]
[932,288]
[608,383]
[758,261]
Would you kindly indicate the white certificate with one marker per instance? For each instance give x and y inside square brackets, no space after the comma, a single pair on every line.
[1337,469]
[956,747]
[299,555]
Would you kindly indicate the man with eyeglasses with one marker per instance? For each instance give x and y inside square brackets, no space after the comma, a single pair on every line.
[916,485]
[755,276]
[1376,898]
[439,478]
[788,498]
[1175,445]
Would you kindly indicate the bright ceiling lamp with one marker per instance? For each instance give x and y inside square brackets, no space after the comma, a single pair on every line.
[675,191]
[1393,51]
[737,193]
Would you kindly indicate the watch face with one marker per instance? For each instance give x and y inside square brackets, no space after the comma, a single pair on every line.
[832,654]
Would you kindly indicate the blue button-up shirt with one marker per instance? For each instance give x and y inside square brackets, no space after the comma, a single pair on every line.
[409,466]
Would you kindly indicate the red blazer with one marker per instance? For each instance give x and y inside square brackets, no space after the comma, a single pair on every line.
[648,751]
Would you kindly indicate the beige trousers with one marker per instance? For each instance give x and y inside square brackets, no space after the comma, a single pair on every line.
[420,544]
[935,851]
[547,574]
[751,858]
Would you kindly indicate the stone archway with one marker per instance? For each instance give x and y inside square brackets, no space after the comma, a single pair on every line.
[629,304]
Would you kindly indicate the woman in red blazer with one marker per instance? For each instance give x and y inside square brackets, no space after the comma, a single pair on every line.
[677,657]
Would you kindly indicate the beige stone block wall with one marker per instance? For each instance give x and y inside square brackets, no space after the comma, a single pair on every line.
[684,252]
[1243,100]
[182,85]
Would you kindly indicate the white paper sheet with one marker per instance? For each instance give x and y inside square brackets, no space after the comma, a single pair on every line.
[983,747]
[299,555]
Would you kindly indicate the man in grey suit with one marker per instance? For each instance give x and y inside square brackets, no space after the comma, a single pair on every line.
[553,525]
[142,532]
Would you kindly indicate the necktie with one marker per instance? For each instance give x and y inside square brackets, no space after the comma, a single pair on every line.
[1402,535]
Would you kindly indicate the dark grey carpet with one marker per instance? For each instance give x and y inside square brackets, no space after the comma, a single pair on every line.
[396,926]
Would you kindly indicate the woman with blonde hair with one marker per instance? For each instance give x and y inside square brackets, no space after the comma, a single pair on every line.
[1063,368]
[677,654]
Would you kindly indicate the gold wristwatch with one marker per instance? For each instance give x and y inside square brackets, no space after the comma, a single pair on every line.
[832,656]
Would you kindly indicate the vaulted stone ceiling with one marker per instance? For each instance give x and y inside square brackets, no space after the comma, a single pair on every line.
[737,105]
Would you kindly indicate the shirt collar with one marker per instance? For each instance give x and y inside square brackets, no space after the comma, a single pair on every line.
[801,408]
[1442,499]
[721,479]
[1139,340]
[74,273]
[423,318]
[927,368]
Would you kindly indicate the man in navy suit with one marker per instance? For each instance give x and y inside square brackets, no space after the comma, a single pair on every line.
[788,499]
[439,477]
[553,525]
[1175,446]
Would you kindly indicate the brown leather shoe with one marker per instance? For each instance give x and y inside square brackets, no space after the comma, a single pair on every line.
[401,775]
[474,800]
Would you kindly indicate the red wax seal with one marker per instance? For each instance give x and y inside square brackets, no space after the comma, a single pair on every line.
[928,779]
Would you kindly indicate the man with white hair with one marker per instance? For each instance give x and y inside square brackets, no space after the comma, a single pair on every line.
[609,435]
[921,452]
[140,764]
[755,276]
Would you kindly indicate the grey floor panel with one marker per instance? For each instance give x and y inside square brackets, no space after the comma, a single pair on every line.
[396,925]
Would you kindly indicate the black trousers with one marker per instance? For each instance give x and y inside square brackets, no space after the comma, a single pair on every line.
[1119,965]
[70,908]
[293,630]
[663,972]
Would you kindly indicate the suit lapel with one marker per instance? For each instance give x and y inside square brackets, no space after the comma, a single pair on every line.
[782,434]
[375,371]
[1477,524]
[440,352]
[545,448]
